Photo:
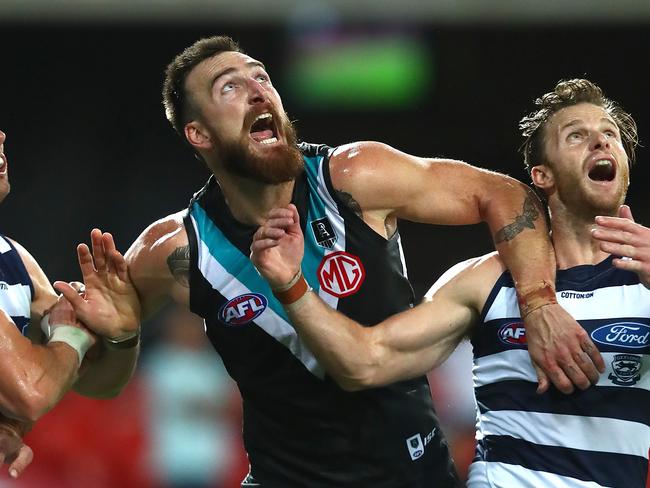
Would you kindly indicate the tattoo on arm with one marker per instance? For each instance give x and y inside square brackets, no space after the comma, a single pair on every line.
[524,221]
[350,202]
[179,265]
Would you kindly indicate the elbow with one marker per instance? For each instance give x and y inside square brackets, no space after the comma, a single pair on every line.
[29,404]
[360,376]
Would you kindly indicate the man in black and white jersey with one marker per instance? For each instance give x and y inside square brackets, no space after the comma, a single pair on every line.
[35,377]
[578,149]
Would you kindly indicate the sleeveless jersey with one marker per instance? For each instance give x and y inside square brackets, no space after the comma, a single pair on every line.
[300,428]
[16,288]
[598,437]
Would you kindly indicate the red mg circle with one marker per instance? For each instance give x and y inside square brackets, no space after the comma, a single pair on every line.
[341,274]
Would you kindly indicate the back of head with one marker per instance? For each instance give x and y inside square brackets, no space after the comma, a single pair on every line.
[177,103]
[566,94]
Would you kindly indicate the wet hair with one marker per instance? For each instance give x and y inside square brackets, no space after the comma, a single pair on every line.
[178,105]
[566,94]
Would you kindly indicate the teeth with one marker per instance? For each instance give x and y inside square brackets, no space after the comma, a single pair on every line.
[263,116]
[270,140]
[603,162]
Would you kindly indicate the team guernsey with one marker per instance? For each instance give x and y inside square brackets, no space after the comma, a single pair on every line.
[594,438]
[300,428]
[16,288]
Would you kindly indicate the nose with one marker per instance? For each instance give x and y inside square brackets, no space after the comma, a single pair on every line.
[599,141]
[2,137]
[256,93]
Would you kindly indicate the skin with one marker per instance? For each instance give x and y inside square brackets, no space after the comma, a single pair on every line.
[413,342]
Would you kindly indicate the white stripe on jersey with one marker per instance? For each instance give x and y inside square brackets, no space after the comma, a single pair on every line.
[631,298]
[502,475]
[332,212]
[599,434]
[274,325]
[515,364]
[4,246]
[15,300]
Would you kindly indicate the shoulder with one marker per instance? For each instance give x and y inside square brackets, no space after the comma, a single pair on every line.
[359,160]
[470,280]
[159,239]
[44,295]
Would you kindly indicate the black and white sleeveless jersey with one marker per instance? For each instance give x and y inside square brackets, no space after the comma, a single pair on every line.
[300,428]
[16,288]
[593,438]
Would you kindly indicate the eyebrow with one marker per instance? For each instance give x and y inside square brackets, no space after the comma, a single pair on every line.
[226,71]
[578,121]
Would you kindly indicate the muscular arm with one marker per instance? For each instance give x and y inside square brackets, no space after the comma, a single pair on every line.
[443,191]
[404,345]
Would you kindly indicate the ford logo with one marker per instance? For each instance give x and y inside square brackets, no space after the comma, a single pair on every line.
[624,334]
[243,309]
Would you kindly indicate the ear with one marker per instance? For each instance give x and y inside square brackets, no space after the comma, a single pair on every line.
[197,136]
[542,176]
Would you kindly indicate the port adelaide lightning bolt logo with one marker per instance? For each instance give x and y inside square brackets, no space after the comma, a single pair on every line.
[323,232]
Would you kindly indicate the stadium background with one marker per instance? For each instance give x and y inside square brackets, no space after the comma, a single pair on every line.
[88,145]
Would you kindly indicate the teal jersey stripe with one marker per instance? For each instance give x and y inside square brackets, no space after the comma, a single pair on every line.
[232,259]
[313,252]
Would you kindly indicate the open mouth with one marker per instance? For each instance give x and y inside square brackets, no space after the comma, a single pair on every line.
[3,165]
[602,170]
[263,129]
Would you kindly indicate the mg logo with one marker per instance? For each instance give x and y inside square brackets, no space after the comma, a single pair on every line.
[341,274]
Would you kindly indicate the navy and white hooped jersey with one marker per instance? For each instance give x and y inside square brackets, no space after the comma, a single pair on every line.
[300,428]
[593,438]
[16,288]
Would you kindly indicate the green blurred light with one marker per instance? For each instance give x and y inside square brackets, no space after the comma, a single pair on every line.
[386,73]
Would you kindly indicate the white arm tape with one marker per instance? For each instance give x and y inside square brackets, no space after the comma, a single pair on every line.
[78,339]
[45,325]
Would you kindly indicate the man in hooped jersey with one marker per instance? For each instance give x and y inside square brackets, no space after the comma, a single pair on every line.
[300,428]
[578,148]
[34,376]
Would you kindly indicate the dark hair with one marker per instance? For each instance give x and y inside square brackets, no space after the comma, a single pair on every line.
[178,106]
[566,94]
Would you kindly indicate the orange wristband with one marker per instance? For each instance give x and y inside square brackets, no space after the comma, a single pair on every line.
[536,296]
[297,287]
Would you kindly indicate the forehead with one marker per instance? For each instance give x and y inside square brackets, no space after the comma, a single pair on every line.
[575,114]
[206,70]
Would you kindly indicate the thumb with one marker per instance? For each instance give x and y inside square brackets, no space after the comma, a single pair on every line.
[542,380]
[295,227]
[625,212]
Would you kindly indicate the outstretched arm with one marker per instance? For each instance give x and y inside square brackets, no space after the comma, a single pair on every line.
[443,191]
[109,307]
[403,346]
[621,236]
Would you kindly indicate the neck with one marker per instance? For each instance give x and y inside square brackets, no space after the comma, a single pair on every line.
[250,201]
[571,234]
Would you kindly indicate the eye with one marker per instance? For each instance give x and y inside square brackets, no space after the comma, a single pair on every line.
[611,133]
[574,136]
[227,87]
[262,78]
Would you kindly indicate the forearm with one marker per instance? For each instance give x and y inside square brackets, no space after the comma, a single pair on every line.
[109,373]
[341,345]
[520,233]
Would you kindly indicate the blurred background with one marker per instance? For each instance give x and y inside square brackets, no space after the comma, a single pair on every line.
[88,145]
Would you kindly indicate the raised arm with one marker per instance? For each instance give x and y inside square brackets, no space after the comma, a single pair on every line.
[384,184]
[404,345]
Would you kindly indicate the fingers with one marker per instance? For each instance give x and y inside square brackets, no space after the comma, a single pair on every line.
[76,300]
[24,459]
[625,212]
[108,245]
[118,264]
[97,243]
[594,356]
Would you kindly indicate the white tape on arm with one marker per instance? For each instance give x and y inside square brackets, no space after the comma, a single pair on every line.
[78,339]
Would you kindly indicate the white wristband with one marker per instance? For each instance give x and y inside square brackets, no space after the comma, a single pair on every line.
[78,339]
[45,325]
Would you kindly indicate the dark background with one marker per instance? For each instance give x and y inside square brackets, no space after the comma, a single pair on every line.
[88,144]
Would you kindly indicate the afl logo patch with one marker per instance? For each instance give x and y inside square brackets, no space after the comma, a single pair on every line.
[243,309]
[624,334]
[513,333]
[341,274]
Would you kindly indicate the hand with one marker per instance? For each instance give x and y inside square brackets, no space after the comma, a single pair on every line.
[278,246]
[13,451]
[110,306]
[561,350]
[621,236]
[62,314]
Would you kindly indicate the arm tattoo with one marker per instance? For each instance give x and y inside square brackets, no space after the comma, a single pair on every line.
[350,202]
[179,265]
[525,221]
